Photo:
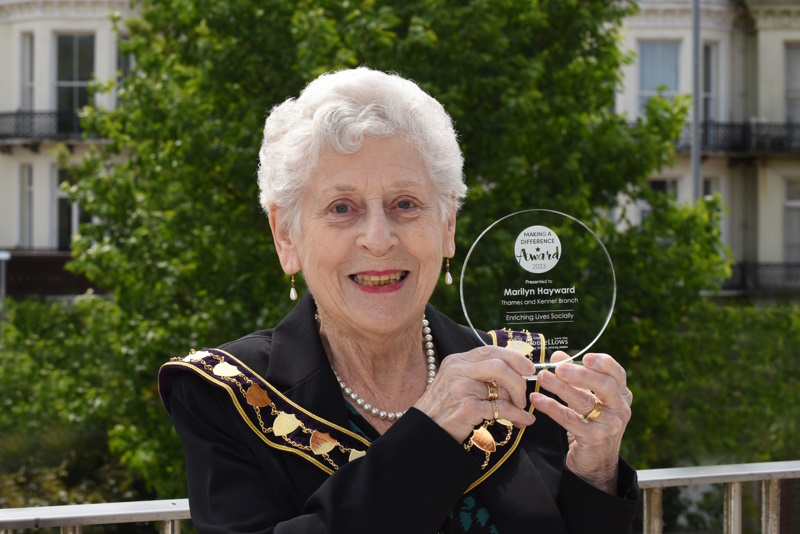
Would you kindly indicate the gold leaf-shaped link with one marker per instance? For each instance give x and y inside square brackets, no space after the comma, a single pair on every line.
[505,422]
[520,346]
[285,424]
[194,356]
[356,454]
[226,369]
[257,397]
[322,442]
[483,440]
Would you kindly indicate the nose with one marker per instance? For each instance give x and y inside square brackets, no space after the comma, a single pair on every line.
[377,234]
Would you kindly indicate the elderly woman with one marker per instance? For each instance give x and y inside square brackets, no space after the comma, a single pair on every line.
[365,409]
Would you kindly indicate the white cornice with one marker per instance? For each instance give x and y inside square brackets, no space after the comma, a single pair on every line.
[25,10]
[779,16]
[677,14]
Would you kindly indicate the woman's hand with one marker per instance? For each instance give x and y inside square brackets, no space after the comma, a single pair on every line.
[458,398]
[594,445]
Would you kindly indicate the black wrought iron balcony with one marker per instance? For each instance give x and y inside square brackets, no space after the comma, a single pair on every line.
[772,278]
[36,126]
[41,272]
[743,138]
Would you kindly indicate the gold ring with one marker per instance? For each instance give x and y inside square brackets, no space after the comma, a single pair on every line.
[492,387]
[595,413]
[494,407]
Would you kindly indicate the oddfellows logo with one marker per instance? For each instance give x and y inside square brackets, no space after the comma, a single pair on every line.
[537,249]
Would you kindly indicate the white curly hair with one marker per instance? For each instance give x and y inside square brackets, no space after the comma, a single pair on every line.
[335,113]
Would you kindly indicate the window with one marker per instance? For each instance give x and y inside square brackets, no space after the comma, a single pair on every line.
[664,186]
[793,83]
[26,206]
[709,83]
[75,60]
[709,88]
[791,222]
[658,66]
[68,214]
[710,186]
[667,187]
[26,101]
[124,61]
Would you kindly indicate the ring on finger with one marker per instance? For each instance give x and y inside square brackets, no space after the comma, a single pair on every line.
[494,407]
[595,413]
[492,387]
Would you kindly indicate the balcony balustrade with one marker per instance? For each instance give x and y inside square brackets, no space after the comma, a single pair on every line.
[41,272]
[169,513]
[753,138]
[732,138]
[764,278]
[37,126]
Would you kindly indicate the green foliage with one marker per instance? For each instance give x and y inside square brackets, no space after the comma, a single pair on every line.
[62,384]
[188,261]
[184,249]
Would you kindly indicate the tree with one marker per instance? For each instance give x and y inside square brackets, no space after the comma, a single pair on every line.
[186,255]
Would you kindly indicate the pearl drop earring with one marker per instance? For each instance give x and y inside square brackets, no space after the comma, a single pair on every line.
[448,278]
[293,291]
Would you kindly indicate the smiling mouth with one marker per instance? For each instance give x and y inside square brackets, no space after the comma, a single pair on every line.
[378,280]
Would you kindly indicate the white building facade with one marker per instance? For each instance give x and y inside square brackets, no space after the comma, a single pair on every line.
[750,121]
[50,50]
[750,131]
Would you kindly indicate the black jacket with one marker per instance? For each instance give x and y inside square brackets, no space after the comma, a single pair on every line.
[411,478]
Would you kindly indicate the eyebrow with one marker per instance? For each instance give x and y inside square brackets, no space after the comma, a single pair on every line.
[348,188]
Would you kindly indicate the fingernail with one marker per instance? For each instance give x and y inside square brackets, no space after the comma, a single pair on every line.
[544,376]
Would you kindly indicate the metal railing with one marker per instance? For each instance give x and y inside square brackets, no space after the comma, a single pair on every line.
[40,125]
[743,138]
[169,513]
[653,482]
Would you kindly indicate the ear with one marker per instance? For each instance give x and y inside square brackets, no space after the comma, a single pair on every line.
[449,241]
[285,244]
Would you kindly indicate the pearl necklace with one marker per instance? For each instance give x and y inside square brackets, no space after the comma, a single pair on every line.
[383,414]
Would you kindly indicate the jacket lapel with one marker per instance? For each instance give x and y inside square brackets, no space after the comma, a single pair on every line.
[299,368]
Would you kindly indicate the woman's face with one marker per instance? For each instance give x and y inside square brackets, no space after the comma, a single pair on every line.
[371,237]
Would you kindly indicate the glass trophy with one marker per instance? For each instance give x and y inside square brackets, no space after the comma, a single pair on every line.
[540,271]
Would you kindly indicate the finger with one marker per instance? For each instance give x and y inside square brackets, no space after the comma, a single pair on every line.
[565,417]
[502,394]
[627,396]
[559,356]
[605,364]
[516,361]
[505,410]
[604,386]
[578,399]
[509,382]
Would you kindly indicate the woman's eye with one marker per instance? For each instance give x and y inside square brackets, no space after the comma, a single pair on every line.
[405,204]
[341,208]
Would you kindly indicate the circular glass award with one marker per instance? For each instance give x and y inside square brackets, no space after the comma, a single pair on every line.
[539,271]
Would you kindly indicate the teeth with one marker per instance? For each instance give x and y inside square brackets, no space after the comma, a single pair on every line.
[382,280]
